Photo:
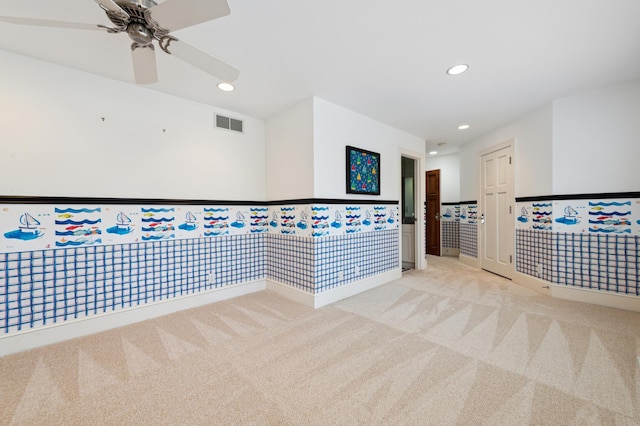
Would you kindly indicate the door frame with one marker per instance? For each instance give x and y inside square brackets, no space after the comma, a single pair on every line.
[419,158]
[510,143]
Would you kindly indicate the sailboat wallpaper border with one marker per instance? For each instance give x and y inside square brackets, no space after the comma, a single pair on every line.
[570,216]
[28,227]
[450,212]
[595,216]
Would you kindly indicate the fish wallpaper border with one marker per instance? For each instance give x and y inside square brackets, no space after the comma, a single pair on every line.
[611,216]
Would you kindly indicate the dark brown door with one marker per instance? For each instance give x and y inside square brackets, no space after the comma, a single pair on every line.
[433,213]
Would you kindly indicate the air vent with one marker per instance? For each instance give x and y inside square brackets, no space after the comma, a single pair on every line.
[228,123]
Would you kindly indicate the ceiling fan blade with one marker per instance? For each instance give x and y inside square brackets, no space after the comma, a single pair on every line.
[176,14]
[144,64]
[112,6]
[49,23]
[202,60]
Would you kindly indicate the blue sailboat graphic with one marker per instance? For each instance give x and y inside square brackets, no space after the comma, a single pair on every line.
[303,224]
[367,218]
[122,225]
[239,223]
[29,224]
[524,217]
[122,220]
[391,218]
[570,216]
[338,222]
[274,220]
[27,230]
[190,222]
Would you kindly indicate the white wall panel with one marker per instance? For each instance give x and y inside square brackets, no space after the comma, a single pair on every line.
[149,145]
[597,141]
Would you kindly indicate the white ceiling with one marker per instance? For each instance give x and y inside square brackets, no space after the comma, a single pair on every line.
[384,59]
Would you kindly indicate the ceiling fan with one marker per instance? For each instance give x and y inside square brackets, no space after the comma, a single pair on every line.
[145,21]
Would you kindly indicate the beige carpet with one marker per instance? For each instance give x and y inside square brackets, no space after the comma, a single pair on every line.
[450,345]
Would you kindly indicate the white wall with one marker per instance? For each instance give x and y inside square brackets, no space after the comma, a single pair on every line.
[335,128]
[54,142]
[289,156]
[533,155]
[449,166]
[597,141]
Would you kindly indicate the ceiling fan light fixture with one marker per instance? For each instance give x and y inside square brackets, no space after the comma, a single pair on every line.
[226,87]
[457,69]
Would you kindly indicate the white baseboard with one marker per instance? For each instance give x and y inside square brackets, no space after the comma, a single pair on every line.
[578,294]
[291,293]
[596,297]
[339,293]
[50,334]
[335,294]
[471,261]
[532,283]
[451,252]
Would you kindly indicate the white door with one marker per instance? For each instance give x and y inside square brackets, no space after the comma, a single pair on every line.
[496,207]
[408,243]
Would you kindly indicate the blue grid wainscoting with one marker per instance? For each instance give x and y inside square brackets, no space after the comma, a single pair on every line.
[602,262]
[469,239]
[534,253]
[111,263]
[469,229]
[450,235]
[599,262]
[450,228]
[50,286]
[344,259]
[589,241]
[289,260]
[319,264]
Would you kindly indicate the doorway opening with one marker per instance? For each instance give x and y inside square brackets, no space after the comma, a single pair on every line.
[432,213]
[408,203]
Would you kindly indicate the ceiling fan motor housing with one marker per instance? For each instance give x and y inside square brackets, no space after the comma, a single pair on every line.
[139,34]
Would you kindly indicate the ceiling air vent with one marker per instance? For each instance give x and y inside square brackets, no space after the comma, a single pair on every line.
[228,123]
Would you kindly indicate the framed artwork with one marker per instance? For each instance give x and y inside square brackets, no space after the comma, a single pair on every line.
[363,171]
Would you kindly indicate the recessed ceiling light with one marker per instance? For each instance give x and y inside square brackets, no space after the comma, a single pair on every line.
[226,87]
[433,152]
[463,127]
[457,69]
